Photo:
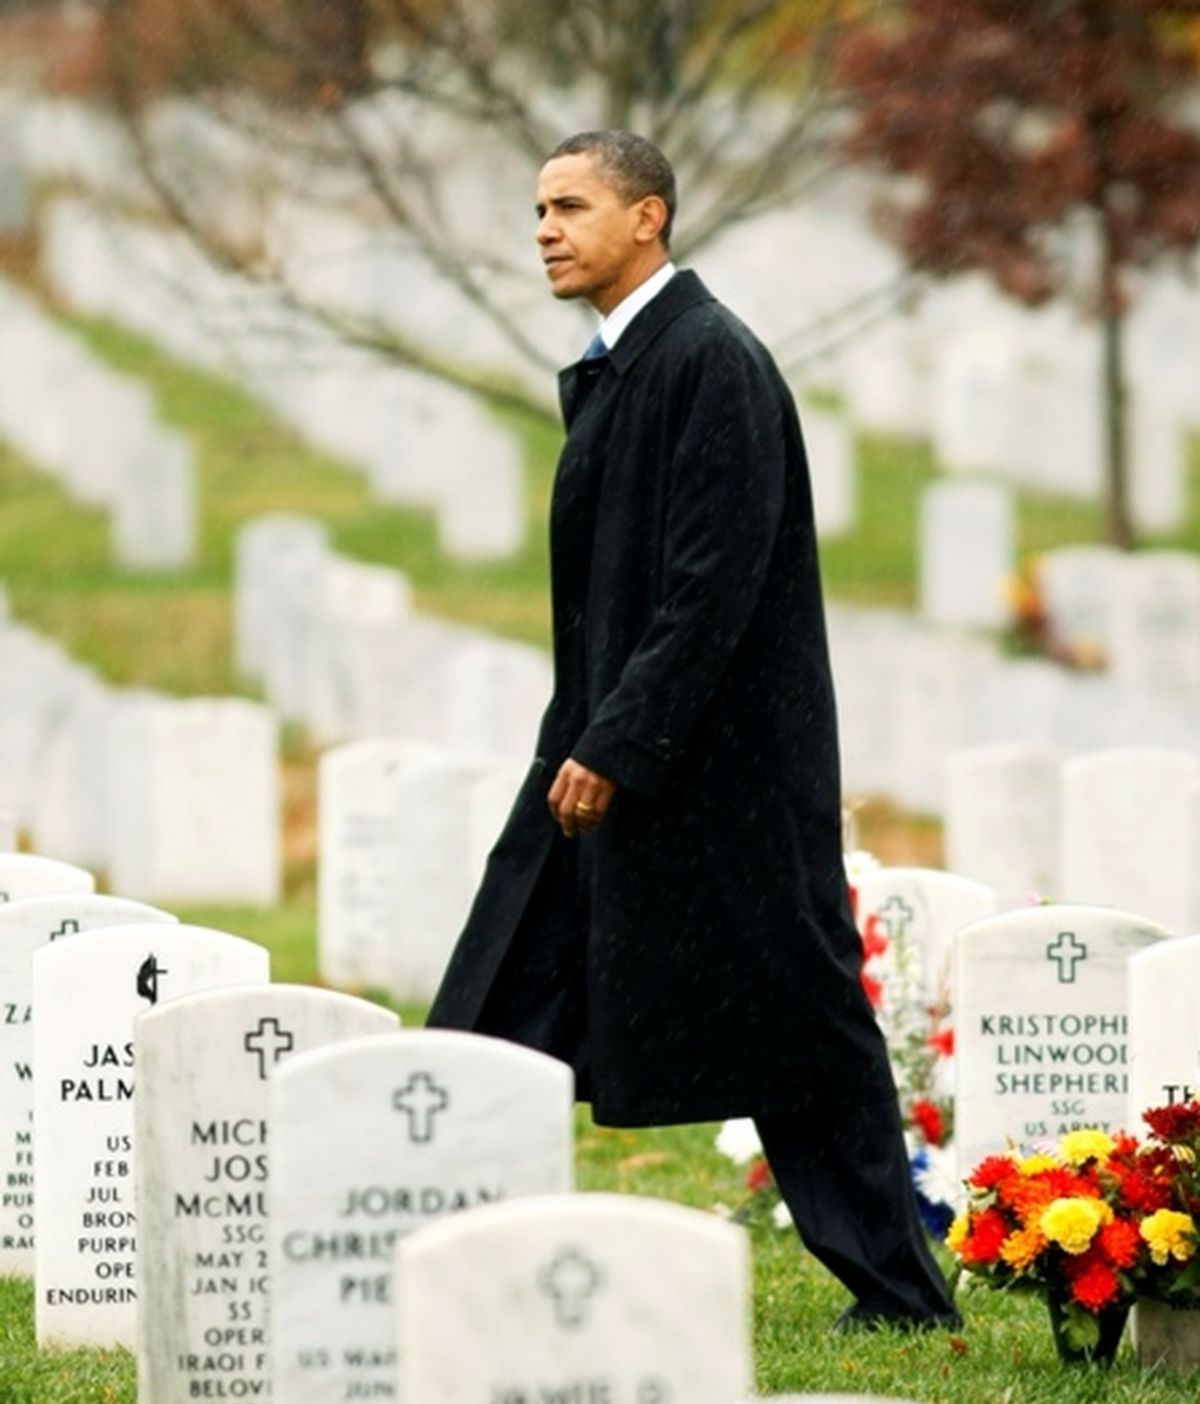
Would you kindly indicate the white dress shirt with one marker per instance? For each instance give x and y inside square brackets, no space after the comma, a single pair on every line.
[624,312]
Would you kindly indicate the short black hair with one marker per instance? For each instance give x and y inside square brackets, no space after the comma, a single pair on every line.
[635,166]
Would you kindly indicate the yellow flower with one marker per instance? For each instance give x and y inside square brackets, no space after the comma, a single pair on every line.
[1035,1164]
[1170,1234]
[1078,1147]
[1021,1248]
[956,1235]
[1072,1223]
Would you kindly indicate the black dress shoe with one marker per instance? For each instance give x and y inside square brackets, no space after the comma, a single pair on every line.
[862,1318]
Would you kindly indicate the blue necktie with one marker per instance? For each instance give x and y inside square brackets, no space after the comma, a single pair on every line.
[595,348]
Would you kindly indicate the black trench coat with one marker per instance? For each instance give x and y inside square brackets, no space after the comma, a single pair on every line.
[713,949]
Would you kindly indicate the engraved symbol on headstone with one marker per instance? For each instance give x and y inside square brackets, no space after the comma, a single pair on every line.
[895,915]
[420,1100]
[4,897]
[571,1279]
[270,1046]
[68,928]
[147,978]
[1067,952]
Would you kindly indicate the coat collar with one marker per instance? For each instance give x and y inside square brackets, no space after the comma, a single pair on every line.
[576,382]
[683,291]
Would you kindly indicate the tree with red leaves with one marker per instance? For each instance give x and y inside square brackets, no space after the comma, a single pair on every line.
[1020,120]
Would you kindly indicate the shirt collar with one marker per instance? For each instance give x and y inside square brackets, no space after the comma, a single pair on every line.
[624,312]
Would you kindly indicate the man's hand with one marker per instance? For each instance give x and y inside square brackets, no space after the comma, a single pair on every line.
[579,798]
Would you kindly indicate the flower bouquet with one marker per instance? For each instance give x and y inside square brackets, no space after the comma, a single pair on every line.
[1091,1225]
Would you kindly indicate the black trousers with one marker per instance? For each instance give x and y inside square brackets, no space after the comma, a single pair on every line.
[842,1170]
[844,1175]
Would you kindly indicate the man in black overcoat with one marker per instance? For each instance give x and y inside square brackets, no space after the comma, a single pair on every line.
[666,908]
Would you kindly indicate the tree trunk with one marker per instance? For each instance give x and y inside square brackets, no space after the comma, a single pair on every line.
[1116,418]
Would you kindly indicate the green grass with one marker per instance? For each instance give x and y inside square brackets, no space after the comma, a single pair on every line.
[54,558]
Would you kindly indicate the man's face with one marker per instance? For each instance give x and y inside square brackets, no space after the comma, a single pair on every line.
[592,243]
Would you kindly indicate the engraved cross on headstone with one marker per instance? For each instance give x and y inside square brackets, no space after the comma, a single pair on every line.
[68,928]
[269,1043]
[571,1279]
[421,1099]
[1067,951]
[895,915]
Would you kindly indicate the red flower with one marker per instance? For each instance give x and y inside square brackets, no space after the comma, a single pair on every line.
[874,989]
[1144,1194]
[853,891]
[758,1176]
[1094,1284]
[1119,1242]
[990,1171]
[875,943]
[1176,1122]
[988,1232]
[943,1042]
[928,1119]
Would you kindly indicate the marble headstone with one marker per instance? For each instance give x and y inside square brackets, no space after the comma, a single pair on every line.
[920,910]
[203,1177]
[86,995]
[577,1297]
[1155,638]
[194,808]
[1164,1026]
[1042,1024]
[25,927]
[370,1141]
[966,553]
[1001,823]
[360,891]
[25,875]
[1127,837]
[1079,585]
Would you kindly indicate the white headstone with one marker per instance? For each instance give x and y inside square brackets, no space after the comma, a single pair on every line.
[154,515]
[920,911]
[1078,585]
[931,700]
[268,548]
[372,1140]
[832,469]
[966,554]
[1127,832]
[1155,640]
[1041,1025]
[194,801]
[204,1176]
[435,806]
[482,513]
[1001,823]
[86,995]
[588,1296]
[361,827]
[25,875]
[25,926]
[1164,1027]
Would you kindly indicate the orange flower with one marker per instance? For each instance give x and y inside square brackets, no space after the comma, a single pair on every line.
[1095,1284]
[1119,1243]
[1022,1247]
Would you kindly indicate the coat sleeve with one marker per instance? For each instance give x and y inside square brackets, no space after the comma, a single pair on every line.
[725,494]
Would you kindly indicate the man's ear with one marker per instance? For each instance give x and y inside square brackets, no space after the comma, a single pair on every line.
[652,219]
